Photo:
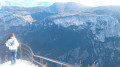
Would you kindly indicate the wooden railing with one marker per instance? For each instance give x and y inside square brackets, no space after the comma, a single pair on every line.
[25,49]
[32,55]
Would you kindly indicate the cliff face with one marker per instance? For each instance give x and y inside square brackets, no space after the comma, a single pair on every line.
[100,26]
[97,39]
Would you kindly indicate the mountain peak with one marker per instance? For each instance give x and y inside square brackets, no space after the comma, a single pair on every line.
[65,7]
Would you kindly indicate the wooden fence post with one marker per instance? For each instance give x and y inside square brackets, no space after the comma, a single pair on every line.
[32,59]
[41,62]
[20,51]
[63,65]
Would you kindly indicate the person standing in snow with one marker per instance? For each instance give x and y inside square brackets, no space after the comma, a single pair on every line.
[12,44]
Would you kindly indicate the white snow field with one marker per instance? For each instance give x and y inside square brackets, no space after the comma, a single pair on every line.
[19,63]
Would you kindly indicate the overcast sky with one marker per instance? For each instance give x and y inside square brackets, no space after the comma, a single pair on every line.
[84,2]
[89,2]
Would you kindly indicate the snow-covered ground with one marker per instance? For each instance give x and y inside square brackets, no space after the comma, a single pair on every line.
[19,63]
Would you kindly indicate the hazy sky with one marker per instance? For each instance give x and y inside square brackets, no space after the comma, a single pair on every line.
[90,2]
[85,2]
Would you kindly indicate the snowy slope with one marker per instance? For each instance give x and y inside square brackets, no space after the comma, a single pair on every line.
[19,63]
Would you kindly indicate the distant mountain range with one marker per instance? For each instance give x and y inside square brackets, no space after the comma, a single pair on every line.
[68,32]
